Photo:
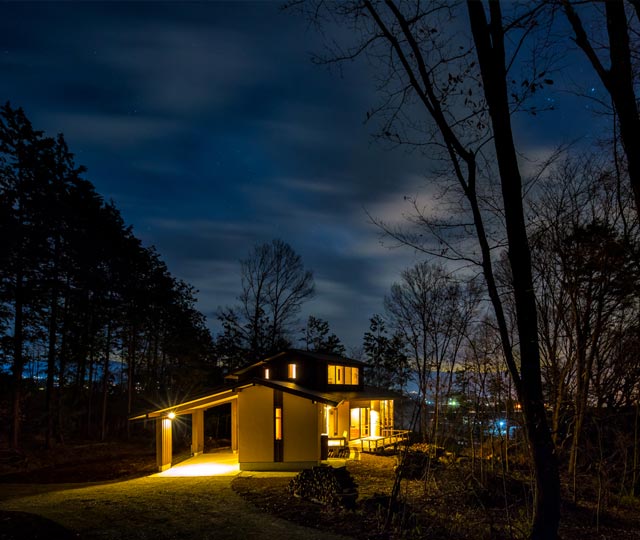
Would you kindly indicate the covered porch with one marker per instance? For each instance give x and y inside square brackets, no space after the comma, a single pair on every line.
[164,419]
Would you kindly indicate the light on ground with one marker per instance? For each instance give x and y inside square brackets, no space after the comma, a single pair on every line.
[202,469]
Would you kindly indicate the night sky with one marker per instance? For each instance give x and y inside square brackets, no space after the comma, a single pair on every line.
[211,129]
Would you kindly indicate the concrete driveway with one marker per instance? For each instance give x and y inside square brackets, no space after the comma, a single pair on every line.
[223,463]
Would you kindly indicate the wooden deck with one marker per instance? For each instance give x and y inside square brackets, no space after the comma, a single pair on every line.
[392,437]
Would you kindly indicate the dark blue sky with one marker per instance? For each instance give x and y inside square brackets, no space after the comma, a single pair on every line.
[211,129]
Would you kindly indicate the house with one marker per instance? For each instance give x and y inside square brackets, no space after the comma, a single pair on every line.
[288,410]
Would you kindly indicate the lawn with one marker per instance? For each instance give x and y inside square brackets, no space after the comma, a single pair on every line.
[104,491]
[450,505]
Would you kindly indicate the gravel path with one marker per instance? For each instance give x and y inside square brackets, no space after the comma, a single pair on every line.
[153,508]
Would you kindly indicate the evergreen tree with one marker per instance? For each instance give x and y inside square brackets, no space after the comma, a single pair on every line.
[316,337]
[388,364]
[82,303]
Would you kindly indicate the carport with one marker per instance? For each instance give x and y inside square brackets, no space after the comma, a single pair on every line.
[196,407]
[222,463]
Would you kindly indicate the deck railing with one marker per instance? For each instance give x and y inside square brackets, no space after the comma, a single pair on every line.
[389,437]
[337,441]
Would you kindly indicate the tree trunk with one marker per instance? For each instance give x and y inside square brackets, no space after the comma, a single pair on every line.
[51,352]
[90,389]
[64,351]
[130,374]
[18,363]
[436,409]
[618,80]
[636,454]
[622,93]
[489,41]
[105,383]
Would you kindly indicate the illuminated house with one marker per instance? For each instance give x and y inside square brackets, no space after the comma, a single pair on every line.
[288,410]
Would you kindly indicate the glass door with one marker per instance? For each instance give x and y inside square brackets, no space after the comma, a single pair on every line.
[359,423]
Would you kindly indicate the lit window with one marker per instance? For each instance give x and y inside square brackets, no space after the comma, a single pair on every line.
[266,373]
[343,375]
[347,375]
[293,371]
[278,424]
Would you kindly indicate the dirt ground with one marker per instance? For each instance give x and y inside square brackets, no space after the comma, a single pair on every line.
[105,497]
[105,492]
[452,507]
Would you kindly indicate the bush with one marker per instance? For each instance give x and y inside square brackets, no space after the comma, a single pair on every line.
[325,485]
[420,457]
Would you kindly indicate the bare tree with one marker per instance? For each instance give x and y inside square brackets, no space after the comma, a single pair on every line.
[274,286]
[428,70]
[618,78]
[433,312]
[586,273]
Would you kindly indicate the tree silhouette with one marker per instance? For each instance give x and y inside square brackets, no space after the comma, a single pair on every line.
[80,297]
[274,286]
[317,337]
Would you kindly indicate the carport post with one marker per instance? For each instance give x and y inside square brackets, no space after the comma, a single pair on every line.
[234,425]
[163,443]
[197,432]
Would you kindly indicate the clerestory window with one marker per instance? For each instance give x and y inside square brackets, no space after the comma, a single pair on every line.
[343,375]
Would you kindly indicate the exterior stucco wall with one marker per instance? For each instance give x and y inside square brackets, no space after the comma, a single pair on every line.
[255,425]
[301,418]
[300,430]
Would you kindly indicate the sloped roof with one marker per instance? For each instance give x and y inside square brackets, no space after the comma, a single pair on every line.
[328,398]
[218,396]
[367,392]
[228,393]
[324,357]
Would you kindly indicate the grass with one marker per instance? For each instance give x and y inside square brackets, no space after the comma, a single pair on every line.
[449,505]
[103,492]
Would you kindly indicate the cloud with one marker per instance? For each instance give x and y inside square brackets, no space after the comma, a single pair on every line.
[316,186]
[113,132]
[183,68]
[212,131]
[534,158]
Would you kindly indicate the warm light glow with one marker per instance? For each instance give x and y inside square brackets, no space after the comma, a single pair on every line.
[293,371]
[327,410]
[342,375]
[266,373]
[278,423]
[355,424]
[171,415]
[374,420]
[210,464]
[201,469]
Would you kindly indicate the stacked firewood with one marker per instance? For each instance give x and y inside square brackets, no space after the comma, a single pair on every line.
[326,485]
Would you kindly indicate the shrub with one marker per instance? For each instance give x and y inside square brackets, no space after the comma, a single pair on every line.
[325,485]
[420,457]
